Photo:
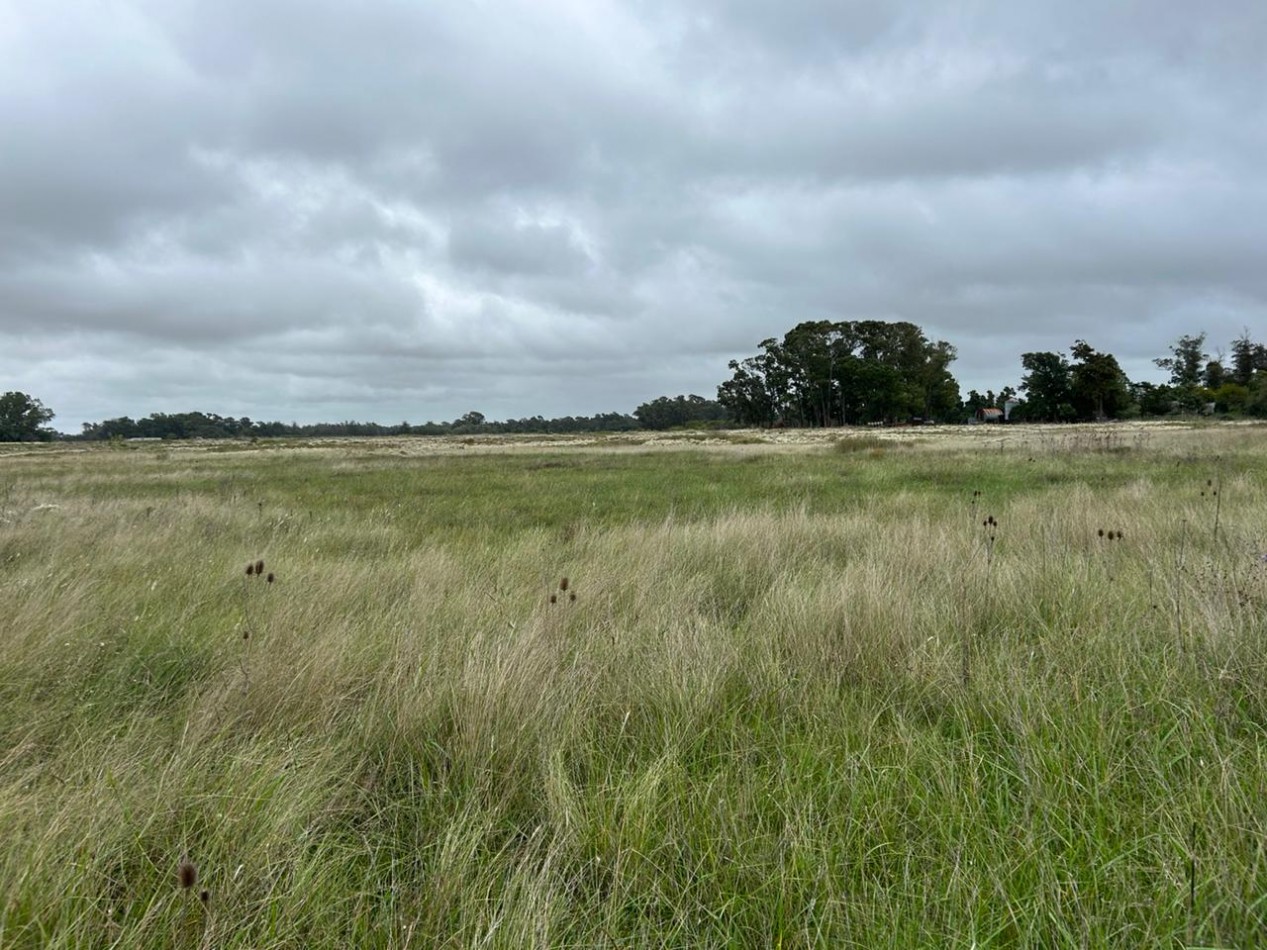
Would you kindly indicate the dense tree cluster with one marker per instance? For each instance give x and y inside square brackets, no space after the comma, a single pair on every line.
[1198,381]
[24,419]
[679,412]
[824,374]
[181,425]
[1092,386]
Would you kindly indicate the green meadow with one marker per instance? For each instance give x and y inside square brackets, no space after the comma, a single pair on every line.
[903,688]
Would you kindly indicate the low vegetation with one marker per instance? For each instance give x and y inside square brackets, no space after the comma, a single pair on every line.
[979,690]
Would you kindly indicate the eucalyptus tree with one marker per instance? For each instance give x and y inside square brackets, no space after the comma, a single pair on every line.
[825,373]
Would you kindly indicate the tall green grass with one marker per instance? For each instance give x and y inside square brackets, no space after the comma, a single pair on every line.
[793,704]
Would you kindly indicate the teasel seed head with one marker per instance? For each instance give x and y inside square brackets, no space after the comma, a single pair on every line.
[250,570]
[554,598]
[271,577]
[563,584]
[259,566]
[186,874]
[204,895]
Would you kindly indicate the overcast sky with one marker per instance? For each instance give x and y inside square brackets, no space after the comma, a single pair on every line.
[406,209]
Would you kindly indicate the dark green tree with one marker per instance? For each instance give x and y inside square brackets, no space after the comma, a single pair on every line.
[1230,398]
[1048,387]
[1214,374]
[1153,400]
[24,419]
[1100,388]
[1256,403]
[1248,358]
[1186,359]
[1185,364]
[748,396]
[937,387]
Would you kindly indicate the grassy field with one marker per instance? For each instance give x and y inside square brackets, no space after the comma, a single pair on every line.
[795,691]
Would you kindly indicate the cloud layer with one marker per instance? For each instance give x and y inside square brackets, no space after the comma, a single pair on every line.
[317,211]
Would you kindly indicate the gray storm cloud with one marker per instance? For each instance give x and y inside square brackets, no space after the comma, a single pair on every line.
[405,211]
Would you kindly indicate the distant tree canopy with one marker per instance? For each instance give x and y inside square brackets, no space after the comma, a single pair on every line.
[825,374]
[24,419]
[204,425]
[674,412]
[181,425]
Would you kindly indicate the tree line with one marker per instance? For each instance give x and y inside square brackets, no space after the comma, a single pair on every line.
[819,374]
[825,374]
[1093,386]
[200,425]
